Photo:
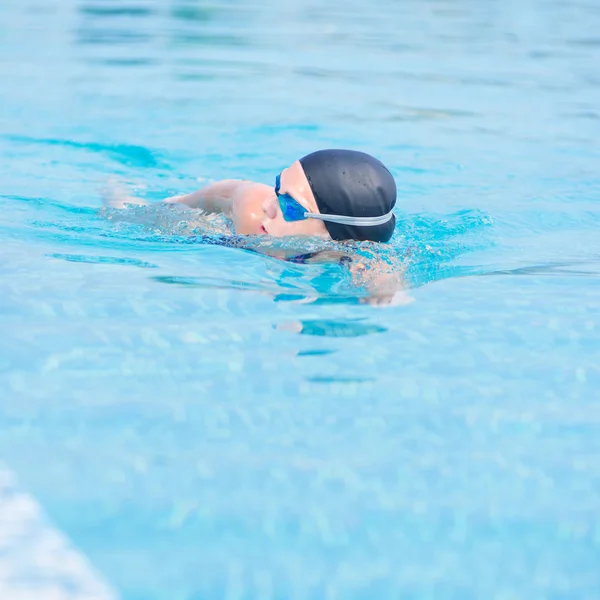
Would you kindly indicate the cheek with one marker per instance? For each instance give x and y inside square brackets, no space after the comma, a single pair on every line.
[280,227]
[309,227]
[277,225]
[313,227]
[247,223]
[271,209]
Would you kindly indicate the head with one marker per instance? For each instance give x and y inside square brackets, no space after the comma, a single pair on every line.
[352,192]
[293,182]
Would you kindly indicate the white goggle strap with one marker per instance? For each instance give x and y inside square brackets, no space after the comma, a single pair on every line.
[344,220]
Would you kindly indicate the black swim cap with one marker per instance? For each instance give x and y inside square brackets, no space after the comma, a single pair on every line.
[354,184]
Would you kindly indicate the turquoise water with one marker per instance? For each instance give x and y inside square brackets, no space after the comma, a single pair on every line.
[204,422]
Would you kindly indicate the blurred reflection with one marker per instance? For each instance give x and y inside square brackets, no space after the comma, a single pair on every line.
[195,24]
[313,296]
[339,379]
[329,328]
[190,11]
[120,33]
[101,8]
[316,352]
[555,269]
[209,283]
[104,260]
[110,23]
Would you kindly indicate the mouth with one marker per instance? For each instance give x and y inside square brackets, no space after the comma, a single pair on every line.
[263,230]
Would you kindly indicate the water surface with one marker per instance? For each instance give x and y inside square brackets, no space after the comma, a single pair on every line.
[205,422]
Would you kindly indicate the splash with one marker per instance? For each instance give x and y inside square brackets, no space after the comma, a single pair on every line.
[422,250]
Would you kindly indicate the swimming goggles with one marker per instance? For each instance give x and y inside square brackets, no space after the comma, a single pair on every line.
[292,210]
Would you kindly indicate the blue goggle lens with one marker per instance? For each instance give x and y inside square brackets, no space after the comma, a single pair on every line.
[291,209]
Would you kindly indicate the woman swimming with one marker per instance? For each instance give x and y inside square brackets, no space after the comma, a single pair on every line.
[332,194]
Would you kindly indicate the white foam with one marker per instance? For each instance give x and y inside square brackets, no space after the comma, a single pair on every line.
[37,562]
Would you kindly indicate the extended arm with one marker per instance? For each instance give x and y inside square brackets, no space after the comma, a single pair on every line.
[215,197]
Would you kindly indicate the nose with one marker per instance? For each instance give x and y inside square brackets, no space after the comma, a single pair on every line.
[269,207]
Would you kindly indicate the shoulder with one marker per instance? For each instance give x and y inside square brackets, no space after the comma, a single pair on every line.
[248,191]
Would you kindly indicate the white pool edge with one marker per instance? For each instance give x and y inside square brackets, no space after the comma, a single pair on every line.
[37,561]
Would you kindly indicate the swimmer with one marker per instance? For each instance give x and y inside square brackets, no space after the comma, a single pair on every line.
[331,194]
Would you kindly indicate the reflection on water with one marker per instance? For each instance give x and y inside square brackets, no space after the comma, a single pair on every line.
[192,11]
[140,23]
[116,34]
[109,26]
[567,269]
[316,352]
[211,283]
[103,9]
[339,379]
[104,260]
[335,328]
[126,154]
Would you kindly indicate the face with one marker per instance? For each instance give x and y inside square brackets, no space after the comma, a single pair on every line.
[292,181]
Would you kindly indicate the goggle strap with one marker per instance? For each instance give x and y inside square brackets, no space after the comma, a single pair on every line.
[346,220]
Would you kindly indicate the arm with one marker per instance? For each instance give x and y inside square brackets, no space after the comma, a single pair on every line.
[239,200]
[216,197]
[385,286]
[383,281]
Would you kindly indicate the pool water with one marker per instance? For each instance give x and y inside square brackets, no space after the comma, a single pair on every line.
[202,422]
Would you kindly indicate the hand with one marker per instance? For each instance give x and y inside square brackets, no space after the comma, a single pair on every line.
[385,287]
[399,298]
[115,195]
